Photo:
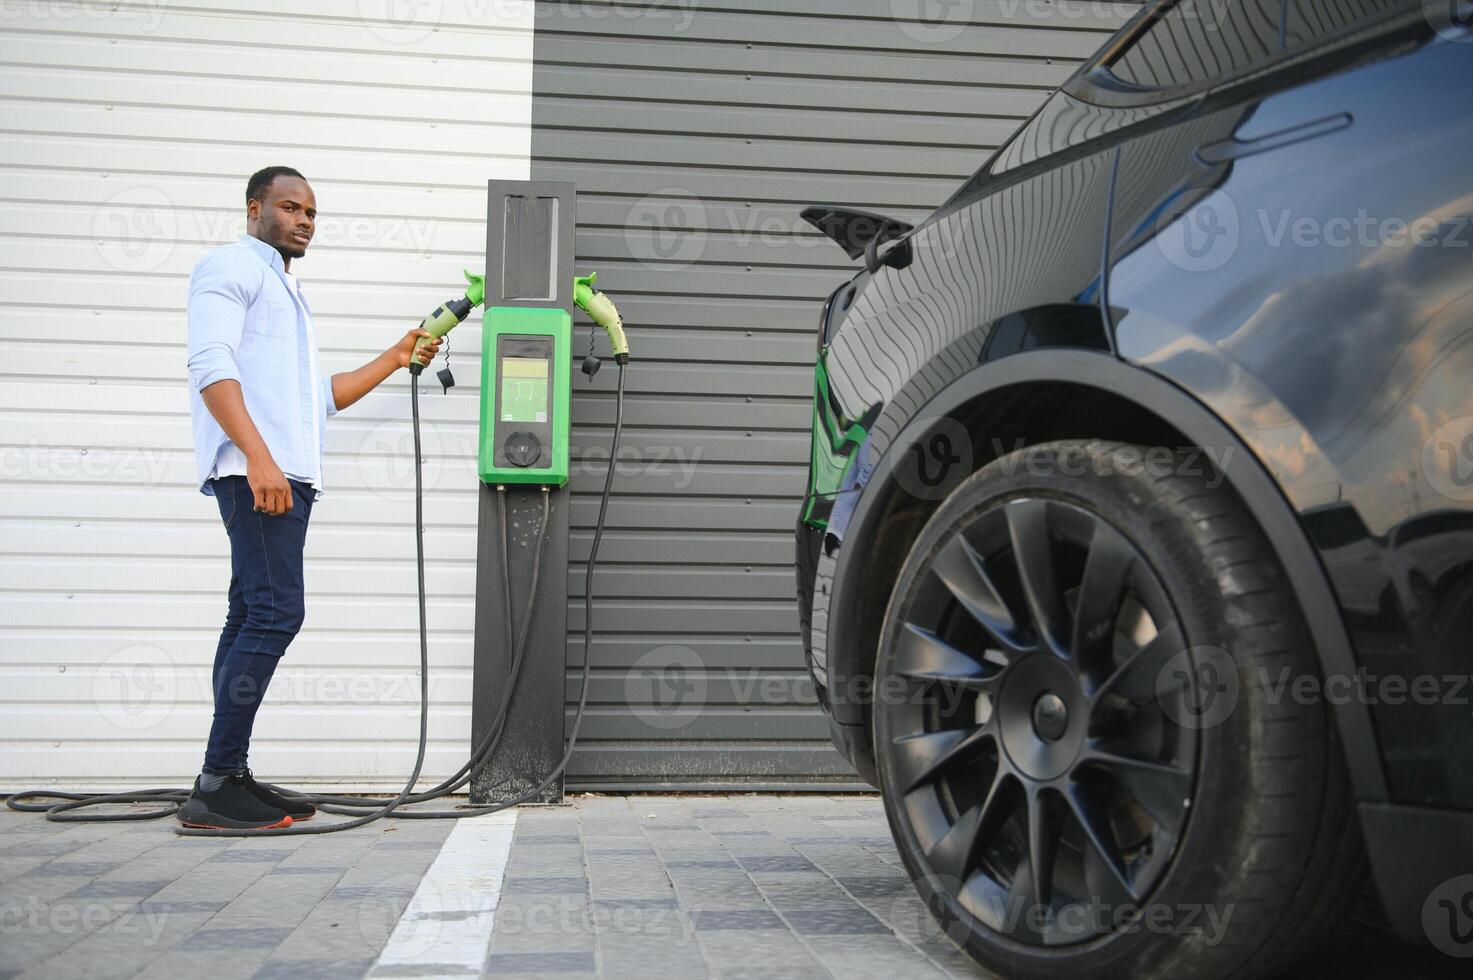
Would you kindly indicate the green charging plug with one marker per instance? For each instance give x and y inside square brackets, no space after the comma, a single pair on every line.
[602,310]
[449,315]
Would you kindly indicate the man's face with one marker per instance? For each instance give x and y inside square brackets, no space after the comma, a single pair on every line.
[285,217]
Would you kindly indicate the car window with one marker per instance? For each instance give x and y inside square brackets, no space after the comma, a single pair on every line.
[1308,22]
[1195,41]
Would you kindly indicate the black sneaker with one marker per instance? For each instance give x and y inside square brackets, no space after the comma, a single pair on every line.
[231,807]
[293,803]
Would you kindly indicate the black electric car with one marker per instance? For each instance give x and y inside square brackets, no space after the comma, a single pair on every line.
[1136,564]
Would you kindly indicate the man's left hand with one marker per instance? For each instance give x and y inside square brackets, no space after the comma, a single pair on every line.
[405,348]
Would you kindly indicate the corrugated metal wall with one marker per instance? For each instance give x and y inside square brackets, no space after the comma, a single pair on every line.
[129,130]
[695,133]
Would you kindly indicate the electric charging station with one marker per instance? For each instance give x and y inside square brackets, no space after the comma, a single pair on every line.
[517,752]
[526,379]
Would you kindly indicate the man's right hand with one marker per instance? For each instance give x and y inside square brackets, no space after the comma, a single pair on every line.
[268,484]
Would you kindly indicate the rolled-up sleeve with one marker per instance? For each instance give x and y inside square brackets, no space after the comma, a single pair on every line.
[327,399]
[219,294]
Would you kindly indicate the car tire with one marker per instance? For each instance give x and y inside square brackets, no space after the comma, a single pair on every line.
[1184,804]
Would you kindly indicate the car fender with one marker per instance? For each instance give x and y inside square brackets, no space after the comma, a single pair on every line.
[850,658]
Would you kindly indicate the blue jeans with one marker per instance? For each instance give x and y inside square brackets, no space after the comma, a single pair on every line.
[265,613]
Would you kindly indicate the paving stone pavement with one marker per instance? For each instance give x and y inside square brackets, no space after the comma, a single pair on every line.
[731,886]
[120,899]
[614,886]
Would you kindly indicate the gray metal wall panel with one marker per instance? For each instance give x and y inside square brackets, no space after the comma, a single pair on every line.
[695,133]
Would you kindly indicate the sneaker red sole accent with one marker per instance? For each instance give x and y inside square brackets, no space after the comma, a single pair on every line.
[283,823]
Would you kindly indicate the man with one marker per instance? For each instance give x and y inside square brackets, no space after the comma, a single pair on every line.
[258,403]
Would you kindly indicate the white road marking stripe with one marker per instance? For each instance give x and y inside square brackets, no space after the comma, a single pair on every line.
[448,922]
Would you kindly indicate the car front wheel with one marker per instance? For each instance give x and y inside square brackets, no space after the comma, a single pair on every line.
[1090,755]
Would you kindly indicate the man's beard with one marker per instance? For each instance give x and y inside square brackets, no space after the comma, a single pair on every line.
[289,245]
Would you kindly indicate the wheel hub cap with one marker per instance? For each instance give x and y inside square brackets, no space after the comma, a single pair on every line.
[1035,716]
[1050,717]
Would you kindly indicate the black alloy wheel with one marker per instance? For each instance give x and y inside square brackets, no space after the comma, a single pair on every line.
[1037,765]
[1084,768]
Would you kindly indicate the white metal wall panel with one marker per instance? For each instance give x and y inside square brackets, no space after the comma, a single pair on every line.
[129,129]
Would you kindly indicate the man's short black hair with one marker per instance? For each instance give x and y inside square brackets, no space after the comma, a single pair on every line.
[261,180]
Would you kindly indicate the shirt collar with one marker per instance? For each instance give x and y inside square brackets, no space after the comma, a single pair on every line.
[268,254]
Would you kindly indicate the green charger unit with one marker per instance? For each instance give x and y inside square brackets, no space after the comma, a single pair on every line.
[526,382]
[527,334]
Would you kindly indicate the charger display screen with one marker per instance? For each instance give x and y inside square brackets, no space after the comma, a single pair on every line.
[524,389]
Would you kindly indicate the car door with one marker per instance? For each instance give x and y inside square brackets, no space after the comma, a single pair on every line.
[1298,254]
